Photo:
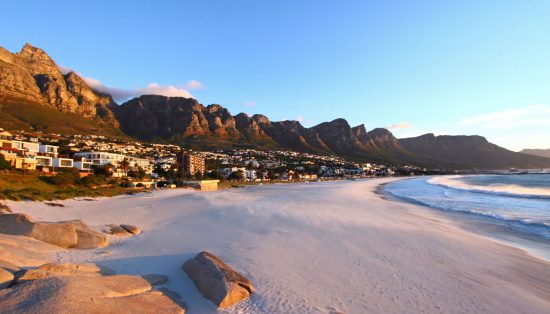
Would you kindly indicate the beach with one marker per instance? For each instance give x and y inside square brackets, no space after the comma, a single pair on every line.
[322,247]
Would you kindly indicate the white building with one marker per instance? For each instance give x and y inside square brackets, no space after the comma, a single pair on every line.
[44,161]
[62,163]
[82,164]
[28,148]
[143,163]
[49,150]
[102,158]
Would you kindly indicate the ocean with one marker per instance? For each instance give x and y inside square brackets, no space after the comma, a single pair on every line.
[518,202]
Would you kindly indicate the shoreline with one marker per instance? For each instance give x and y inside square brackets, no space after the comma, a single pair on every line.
[489,227]
[313,248]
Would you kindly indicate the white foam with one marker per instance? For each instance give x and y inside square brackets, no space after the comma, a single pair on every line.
[504,189]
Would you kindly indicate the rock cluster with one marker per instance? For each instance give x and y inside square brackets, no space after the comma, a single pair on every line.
[83,288]
[69,288]
[216,280]
[72,288]
[66,234]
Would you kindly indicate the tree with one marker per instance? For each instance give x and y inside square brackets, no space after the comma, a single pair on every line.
[160,171]
[105,170]
[137,173]
[237,175]
[271,175]
[3,163]
[124,164]
[172,174]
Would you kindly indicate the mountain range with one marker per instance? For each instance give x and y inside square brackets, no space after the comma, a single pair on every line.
[35,94]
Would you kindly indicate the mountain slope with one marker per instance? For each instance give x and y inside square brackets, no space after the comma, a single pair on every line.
[36,117]
[537,152]
[470,152]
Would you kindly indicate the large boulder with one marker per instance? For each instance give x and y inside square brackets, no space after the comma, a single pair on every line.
[60,234]
[61,270]
[20,251]
[6,277]
[66,234]
[83,293]
[216,280]
[87,237]
[4,209]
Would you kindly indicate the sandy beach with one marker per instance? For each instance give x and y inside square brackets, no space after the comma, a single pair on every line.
[313,248]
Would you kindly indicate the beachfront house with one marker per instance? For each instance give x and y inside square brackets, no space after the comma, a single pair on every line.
[27,148]
[82,164]
[63,163]
[48,150]
[98,158]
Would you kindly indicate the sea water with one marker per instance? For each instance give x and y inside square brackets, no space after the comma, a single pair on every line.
[519,202]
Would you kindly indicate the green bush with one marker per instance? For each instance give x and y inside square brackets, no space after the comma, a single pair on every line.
[93,180]
[3,163]
[65,178]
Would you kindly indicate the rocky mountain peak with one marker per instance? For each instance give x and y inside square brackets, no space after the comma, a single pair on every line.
[260,118]
[383,138]
[242,115]
[340,122]
[35,54]
[360,132]
[214,108]
[380,133]
[31,76]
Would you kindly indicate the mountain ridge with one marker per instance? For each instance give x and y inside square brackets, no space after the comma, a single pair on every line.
[31,79]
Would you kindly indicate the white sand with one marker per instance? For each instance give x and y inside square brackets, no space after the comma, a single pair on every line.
[315,248]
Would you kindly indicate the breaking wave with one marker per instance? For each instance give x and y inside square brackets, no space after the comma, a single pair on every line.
[513,190]
[523,208]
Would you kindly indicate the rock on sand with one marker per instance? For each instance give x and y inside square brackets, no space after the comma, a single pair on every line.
[216,280]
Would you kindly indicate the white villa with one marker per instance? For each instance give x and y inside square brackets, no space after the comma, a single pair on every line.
[98,158]
[102,158]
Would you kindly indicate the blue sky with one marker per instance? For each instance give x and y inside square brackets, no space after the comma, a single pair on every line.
[460,67]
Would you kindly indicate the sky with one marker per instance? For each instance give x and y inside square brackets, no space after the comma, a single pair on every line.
[415,67]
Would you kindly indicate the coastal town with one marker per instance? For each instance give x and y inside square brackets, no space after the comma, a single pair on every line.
[149,165]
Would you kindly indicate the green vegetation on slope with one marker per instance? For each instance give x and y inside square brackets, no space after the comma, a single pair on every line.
[16,185]
[42,118]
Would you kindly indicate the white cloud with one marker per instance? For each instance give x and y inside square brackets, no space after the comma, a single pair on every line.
[250,103]
[402,125]
[303,121]
[169,90]
[122,94]
[537,115]
[194,84]
[64,69]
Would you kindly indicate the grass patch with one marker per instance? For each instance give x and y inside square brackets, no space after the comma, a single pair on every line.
[18,186]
